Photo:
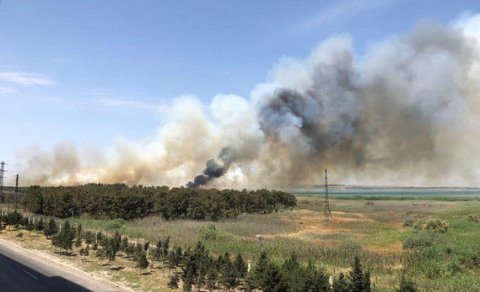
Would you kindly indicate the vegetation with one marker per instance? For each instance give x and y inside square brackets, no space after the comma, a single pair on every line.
[428,259]
[122,201]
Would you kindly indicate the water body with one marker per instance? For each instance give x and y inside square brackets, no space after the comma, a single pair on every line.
[392,192]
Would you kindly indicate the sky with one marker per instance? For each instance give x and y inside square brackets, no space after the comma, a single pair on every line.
[88,72]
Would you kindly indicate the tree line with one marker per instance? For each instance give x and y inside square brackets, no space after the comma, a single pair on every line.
[129,202]
[195,267]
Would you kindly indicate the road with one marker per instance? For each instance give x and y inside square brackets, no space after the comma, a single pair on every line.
[24,270]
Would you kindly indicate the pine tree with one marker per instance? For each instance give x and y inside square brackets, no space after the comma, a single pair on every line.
[359,281]
[211,278]
[341,285]
[117,240]
[173,283]
[165,247]
[51,228]
[142,261]
[64,239]
[39,225]
[110,251]
[229,274]
[124,244]
[260,268]
[240,266]
[273,280]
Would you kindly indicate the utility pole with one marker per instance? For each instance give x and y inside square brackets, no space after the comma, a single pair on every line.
[327,211]
[16,191]
[2,172]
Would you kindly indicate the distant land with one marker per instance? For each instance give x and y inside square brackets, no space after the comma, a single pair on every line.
[396,191]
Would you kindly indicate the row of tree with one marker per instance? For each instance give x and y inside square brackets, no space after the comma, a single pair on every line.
[196,267]
[128,202]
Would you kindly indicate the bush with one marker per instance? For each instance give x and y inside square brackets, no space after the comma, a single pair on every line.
[409,223]
[474,218]
[210,232]
[115,224]
[420,240]
[437,225]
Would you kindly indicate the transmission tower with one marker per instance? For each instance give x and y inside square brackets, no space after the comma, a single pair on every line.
[2,172]
[327,212]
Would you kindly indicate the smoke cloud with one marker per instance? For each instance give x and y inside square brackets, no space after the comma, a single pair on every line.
[405,113]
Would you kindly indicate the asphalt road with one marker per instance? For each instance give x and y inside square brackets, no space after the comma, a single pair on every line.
[23,270]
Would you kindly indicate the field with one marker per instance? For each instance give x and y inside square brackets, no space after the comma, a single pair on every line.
[389,234]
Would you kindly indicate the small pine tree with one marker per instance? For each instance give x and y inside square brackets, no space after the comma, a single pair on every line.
[64,239]
[173,283]
[341,284]
[79,232]
[117,240]
[138,252]
[165,247]
[359,281]
[260,267]
[124,244]
[212,277]
[240,266]
[39,225]
[142,261]
[51,228]
[110,251]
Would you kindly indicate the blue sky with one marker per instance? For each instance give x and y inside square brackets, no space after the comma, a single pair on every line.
[89,71]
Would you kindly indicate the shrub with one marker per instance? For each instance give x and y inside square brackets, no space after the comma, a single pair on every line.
[420,240]
[474,218]
[115,224]
[210,232]
[436,225]
[409,223]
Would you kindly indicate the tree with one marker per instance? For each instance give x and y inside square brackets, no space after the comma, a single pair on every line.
[86,252]
[165,247]
[173,283]
[240,266]
[229,274]
[64,239]
[124,244]
[260,268]
[142,261]
[117,240]
[359,281]
[272,279]
[110,251]
[51,228]
[40,224]
[212,276]
[341,285]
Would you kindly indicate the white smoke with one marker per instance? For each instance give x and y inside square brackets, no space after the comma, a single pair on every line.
[407,113]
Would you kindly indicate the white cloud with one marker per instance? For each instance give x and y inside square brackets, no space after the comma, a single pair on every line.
[26,79]
[8,89]
[342,10]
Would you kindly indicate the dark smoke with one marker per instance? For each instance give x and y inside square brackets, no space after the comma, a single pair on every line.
[213,169]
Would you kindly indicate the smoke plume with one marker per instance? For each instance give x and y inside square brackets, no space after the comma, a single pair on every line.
[405,113]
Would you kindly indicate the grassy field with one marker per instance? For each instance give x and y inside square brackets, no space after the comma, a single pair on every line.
[376,230]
